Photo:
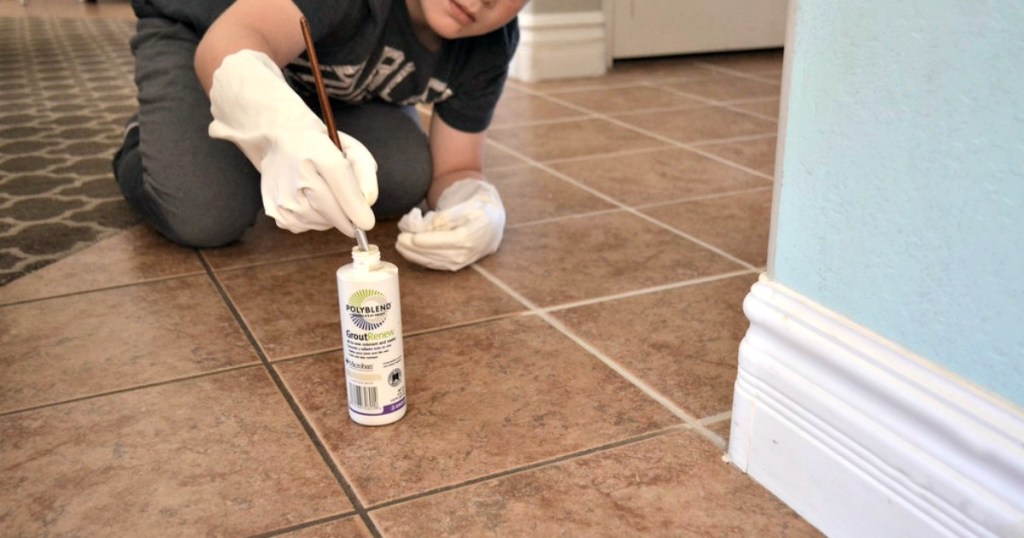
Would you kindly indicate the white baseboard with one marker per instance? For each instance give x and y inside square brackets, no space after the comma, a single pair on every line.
[560,45]
[862,437]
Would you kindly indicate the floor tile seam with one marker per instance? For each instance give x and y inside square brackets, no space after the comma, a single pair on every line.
[133,283]
[731,140]
[134,388]
[307,426]
[692,238]
[670,141]
[716,418]
[564,218]
[619,369]
[593,350]
[645,79]
[704,197]
[525,87]
[630,209]
[295,357]
[522,469]
[505,168]
[306,524]
[648,110]
[234,268]
[646,291]
[734,108]
[707,101]
[592,156]
[467,324]
[729,103]
[759,75]
[536,123]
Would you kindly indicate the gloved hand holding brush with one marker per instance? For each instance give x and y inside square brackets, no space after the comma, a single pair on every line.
[306,182]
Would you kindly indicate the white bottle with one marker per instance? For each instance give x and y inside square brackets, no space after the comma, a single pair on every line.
[371,334]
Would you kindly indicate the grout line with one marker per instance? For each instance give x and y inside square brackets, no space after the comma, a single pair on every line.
[646,291]
[305,525]
[276,261]
[670,141]
[627,208]
[623,153]
[734,108]
[703,197]
[650,391]
[738,73]
[133,388]
[713,419]
[563,218]
[744,138]
[318,443]
[533,466]
[104,288]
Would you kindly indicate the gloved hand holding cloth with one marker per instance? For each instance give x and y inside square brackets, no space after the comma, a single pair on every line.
[466,225]
[306,182]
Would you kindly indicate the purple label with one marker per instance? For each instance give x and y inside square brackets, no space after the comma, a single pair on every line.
[388,409]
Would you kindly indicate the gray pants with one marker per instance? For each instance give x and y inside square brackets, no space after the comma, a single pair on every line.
[202,192]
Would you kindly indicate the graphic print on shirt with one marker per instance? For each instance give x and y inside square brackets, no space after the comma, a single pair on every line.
[349,83]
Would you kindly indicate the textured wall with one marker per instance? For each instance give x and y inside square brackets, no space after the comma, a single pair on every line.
[902,197]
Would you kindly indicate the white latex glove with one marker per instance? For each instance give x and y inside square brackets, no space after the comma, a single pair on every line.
[467,225]
[307,184]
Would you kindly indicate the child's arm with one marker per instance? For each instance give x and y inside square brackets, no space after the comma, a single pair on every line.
[250,24]
[456,155]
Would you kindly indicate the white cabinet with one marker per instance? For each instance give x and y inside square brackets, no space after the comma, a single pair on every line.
[661,27]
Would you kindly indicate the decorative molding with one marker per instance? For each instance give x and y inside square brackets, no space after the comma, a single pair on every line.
[862,437]
[560,45]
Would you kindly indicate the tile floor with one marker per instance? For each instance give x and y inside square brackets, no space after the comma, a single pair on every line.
[576,383]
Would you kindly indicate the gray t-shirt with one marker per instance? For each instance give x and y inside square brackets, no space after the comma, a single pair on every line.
[368,50]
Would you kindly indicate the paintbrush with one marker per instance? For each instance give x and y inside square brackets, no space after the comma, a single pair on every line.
[325,108]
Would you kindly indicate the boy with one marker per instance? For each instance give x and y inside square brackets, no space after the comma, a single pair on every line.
[213,98]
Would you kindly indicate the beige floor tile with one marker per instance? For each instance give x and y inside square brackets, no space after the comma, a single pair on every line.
[497,158]
[684,342]
[672,485]
[760,61]
[571,139]
[700,124]
[757,154]
[132,256]
[627,99]
[658,176]
[213,456]
[530,194]
[68,347]
[736,223]
[725,88]
[526,108]
[482,399]
[598,255]
[722,428]
[292,307]
[266,243]
[768,108]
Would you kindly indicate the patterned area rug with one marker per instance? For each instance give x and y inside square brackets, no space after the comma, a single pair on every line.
[65,92]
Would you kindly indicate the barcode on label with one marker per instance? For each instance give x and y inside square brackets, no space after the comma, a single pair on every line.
[363,397]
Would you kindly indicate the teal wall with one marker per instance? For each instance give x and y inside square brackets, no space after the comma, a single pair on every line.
[901,201]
